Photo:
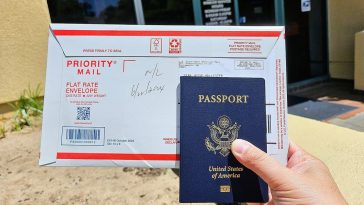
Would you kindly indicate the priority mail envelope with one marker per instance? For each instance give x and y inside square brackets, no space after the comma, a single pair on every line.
[112,91]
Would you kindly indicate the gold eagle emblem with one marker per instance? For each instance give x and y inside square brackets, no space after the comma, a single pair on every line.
[222,135]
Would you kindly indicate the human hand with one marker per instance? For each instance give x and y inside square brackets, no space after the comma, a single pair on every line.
[306,180]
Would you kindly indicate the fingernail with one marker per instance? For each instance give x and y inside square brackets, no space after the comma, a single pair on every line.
[240,146]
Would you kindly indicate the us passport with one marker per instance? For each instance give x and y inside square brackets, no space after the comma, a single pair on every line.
[214,112]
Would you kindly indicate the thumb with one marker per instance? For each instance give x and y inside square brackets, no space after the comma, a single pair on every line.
[266,167]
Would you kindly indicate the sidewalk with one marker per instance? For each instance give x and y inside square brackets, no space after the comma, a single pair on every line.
[334,102]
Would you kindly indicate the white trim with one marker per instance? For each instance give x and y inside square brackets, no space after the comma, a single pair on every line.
[139,13]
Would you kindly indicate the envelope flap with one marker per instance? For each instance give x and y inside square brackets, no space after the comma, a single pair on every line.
[50,137]
[181,41]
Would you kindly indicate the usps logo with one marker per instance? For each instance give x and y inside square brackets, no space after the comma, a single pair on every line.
[305,5]
[175,45]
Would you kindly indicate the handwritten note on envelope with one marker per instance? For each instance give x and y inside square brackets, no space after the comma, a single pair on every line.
[112,92]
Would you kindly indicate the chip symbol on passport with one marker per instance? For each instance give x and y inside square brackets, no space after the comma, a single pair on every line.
[225,188]
[222,134]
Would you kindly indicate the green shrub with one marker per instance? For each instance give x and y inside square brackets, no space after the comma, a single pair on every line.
[29,104]
[2,131]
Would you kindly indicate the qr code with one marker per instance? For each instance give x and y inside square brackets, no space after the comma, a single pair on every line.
[83,113]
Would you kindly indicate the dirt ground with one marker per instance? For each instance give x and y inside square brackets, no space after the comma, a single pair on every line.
[22,181]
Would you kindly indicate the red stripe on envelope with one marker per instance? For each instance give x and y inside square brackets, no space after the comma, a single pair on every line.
[113,156]
[165,33]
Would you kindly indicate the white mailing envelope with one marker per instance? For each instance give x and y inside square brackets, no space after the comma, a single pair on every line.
[111,94]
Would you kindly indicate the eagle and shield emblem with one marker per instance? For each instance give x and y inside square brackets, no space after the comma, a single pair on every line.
[222,134]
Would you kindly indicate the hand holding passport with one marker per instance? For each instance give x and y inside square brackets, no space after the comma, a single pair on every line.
[222,113]
[305,180]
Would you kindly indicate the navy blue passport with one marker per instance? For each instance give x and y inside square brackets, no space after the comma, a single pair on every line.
[215,112]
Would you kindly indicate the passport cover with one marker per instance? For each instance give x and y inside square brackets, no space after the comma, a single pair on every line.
[215,112]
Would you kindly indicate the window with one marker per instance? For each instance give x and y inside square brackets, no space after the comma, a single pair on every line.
[168,12]
[92,11]
[256,12]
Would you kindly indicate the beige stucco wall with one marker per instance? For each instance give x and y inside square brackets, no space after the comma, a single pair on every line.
[345,19]
[23,46]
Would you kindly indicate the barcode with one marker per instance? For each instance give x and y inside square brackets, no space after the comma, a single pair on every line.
[83,134]
[269,123]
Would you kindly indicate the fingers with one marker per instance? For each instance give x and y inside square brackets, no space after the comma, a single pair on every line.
[293,148]
[297,155]
[269,169]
